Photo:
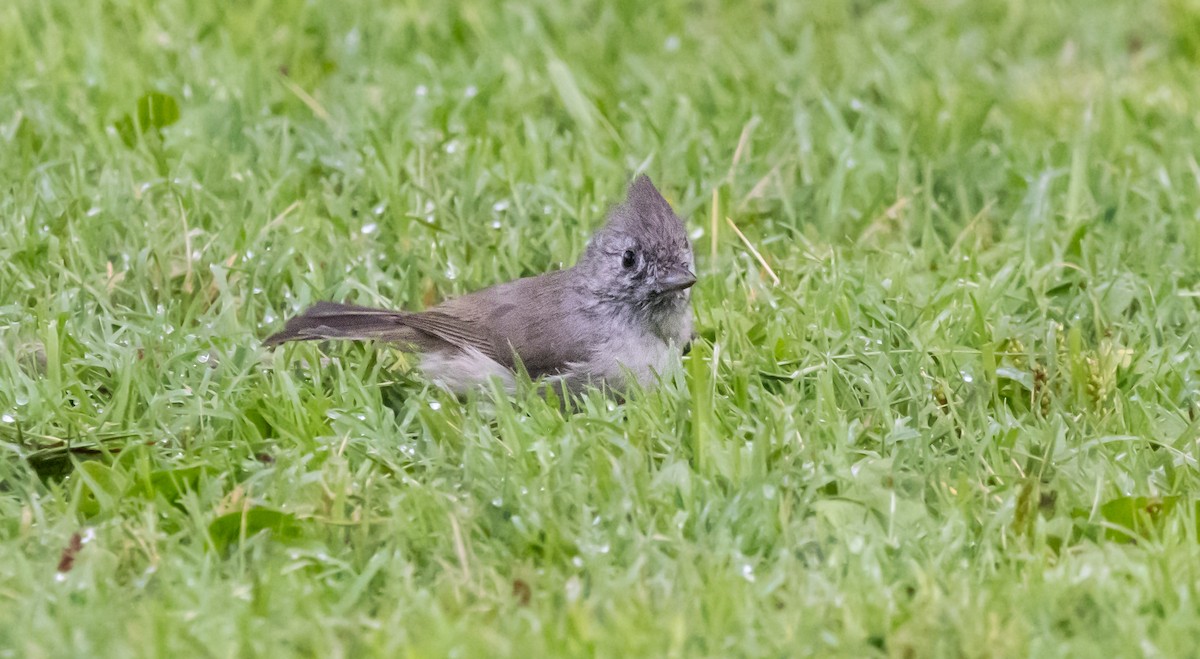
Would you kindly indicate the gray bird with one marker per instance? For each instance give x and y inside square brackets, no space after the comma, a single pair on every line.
[621,313]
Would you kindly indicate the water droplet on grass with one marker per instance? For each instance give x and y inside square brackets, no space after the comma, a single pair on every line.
[500,206]
[748,572]
[422,91]
[203,359]
[497,502]
[369,228]
[966,376]
[470,91]
[7,418]
[93,211]
[434,405]
[671,44]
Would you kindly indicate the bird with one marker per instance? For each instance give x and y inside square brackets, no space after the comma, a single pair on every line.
[616,318]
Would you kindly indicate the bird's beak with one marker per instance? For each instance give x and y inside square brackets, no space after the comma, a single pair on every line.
[677,278]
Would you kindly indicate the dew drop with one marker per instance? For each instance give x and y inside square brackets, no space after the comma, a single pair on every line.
[369,228]
[434,405]
[500,206]
[671,44]
[422,91]
[203,358]
[7,418]
[748,572]
[471,91]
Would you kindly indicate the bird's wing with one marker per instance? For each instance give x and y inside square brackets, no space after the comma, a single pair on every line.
[528,320]
[465,333]
[537,321]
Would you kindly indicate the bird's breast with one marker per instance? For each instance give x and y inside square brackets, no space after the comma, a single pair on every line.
[641,356]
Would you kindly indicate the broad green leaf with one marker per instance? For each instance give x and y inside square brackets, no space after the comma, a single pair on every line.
[232,528]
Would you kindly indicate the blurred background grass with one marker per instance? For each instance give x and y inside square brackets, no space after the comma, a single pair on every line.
[963,422]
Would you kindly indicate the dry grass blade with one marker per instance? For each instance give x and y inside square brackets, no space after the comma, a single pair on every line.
[753,251]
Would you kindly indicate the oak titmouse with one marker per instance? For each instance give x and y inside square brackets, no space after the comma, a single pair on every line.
[621,312]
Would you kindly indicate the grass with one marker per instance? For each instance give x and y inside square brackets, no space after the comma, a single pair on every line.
[963,422]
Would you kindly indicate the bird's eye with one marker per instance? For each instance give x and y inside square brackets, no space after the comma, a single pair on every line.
[628,259]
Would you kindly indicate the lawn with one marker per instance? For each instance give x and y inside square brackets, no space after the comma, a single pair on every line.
[945,400]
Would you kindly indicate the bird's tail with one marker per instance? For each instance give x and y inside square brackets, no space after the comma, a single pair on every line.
[331,320]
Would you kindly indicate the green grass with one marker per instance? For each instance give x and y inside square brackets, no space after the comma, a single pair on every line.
[962,423]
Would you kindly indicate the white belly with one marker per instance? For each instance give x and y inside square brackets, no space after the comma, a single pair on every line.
[461,370]
[642,357]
